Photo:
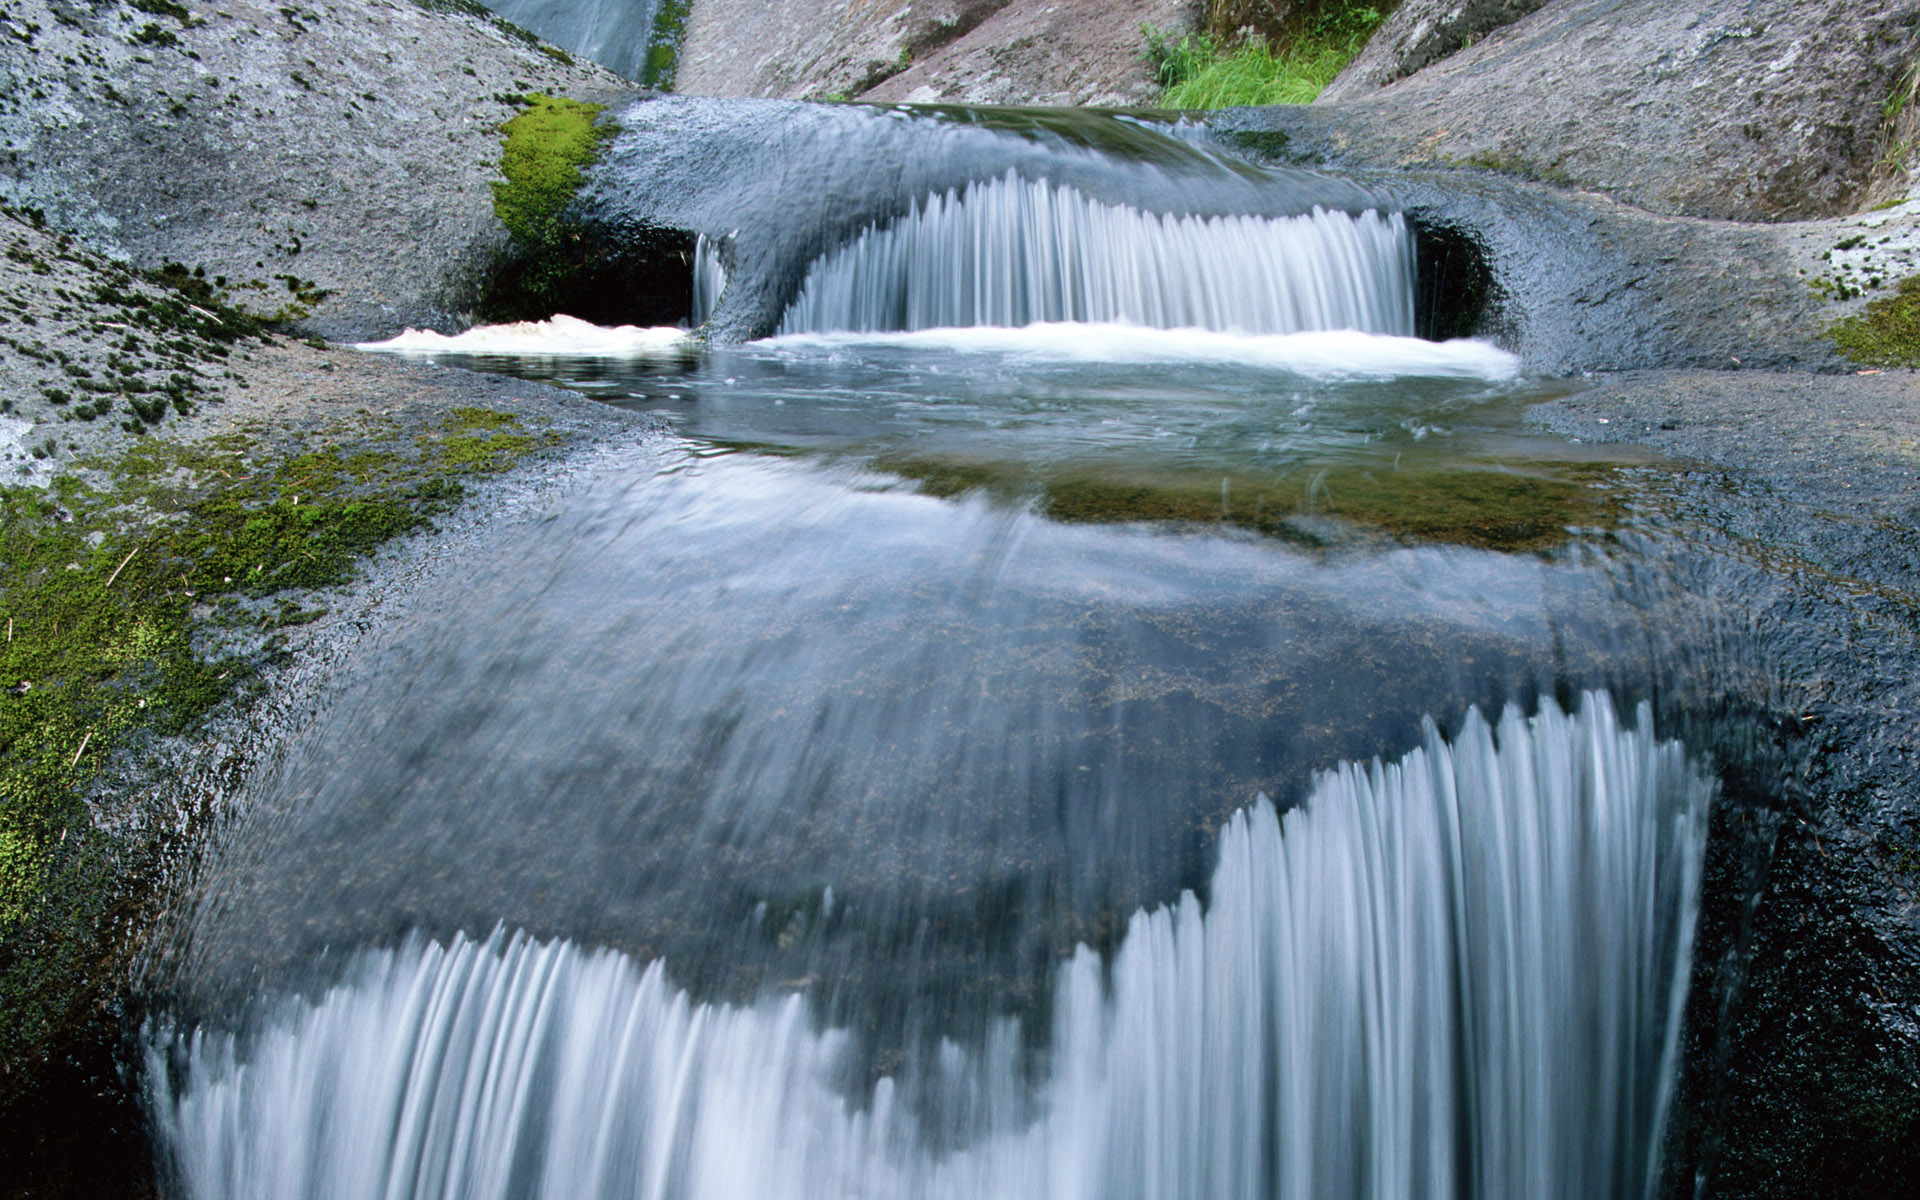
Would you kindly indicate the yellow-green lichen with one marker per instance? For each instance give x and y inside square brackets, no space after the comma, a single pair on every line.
[1887,332]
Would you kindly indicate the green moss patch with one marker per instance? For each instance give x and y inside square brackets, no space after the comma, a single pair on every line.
[1887,332]
[663,44]
[562,258]
[134,602]
[547,145]
[556,259]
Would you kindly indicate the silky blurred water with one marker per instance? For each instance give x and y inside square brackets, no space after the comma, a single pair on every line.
[1045,759]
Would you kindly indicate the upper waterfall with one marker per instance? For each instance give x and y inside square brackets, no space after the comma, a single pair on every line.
[1012,252]
[613,33]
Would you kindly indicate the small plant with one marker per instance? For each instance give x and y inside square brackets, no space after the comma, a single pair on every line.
[1204,71]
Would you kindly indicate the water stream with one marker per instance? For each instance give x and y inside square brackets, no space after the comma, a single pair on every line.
[1093,708]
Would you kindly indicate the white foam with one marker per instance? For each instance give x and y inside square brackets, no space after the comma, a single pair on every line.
[560,336]
[1330,354]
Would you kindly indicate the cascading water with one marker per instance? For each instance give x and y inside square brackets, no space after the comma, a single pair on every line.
[1016,252]
[1460,974]
[614,33]
[709,280]
[855,813]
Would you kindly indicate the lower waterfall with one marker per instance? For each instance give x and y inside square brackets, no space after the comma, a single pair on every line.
[1458,974]
[1013,252]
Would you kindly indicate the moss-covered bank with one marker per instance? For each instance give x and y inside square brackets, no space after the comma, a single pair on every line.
[141,594]
[564,257]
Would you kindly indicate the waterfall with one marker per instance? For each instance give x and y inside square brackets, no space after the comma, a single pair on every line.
[709,280]
[1014,252]
[614,33]
[1459,974]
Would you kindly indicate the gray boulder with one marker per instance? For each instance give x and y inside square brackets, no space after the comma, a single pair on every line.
[1068,52]
[1755,110]
[339,148]
[1419,34]
[962,51]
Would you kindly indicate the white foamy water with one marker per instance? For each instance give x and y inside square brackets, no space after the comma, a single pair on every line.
[559,336]
[1331,354]
[1015,252]
[1456,975]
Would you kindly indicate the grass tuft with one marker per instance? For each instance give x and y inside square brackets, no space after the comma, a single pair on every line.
[1201,71]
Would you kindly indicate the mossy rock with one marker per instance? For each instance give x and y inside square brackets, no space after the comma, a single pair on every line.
[1887,332]
[548,145]
[134,603]
[564,259]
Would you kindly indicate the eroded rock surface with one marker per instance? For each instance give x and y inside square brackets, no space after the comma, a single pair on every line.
[1420,33]
[1067,52]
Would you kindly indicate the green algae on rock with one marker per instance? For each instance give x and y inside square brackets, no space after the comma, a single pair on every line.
[1516,510]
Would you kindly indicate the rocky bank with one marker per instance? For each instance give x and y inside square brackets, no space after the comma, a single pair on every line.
[330,162]
[1059,52]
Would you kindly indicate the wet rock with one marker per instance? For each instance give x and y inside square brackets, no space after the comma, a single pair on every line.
[1802,1043]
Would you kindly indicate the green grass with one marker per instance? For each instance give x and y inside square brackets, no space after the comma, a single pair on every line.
[1202,72]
